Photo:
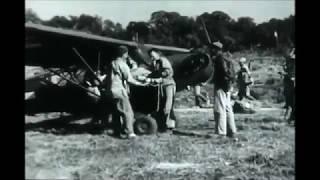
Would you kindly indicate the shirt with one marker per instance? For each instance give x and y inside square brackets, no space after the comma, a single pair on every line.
[244,78]
[162,68]
[117,78]
[224,73]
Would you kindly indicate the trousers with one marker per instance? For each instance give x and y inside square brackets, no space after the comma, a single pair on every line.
[123,112]
[198,96]
[166,107]
[223,113]
[244,91]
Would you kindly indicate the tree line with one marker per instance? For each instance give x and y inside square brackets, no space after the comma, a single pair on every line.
[173,29]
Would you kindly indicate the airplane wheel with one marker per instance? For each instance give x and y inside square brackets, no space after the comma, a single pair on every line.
[145,124]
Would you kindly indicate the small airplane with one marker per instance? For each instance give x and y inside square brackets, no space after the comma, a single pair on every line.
[74,56]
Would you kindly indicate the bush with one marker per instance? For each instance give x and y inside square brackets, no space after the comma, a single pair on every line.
[256,67]
[257,93]
[270,81]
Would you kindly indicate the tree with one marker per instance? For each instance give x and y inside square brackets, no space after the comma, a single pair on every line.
[245,23]
[245,27]
[74,20]
[59,21]
[31,16]
[142,29]
[108,28]
[91,24]
[173,29]
[217,24]
[162,23]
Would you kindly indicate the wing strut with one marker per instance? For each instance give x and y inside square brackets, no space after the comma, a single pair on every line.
[72,82]
[85,62]
[98,66]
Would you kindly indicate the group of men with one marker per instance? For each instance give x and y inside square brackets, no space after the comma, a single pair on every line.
[115,89]
[244,81]
[118,78]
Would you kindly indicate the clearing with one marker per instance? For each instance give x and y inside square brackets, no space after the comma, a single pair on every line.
[68,149]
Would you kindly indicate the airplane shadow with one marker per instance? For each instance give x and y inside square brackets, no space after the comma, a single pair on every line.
[64,126]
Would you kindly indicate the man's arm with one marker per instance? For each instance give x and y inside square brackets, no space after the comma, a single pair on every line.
[167,70]
[131,80]
[246,68]
[247,79]
[128,76]
[132,63]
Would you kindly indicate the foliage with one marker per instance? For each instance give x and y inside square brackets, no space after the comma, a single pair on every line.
[173,29]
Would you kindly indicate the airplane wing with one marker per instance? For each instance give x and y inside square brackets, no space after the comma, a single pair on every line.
[34,77]
[56,47]
[167,48]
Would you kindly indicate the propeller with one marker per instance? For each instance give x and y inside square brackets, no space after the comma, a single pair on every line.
[205,30]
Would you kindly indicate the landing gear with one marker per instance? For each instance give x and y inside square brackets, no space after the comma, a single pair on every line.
[145,124]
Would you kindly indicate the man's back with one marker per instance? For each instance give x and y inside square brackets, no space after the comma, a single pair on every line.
[117,78]
[224,72]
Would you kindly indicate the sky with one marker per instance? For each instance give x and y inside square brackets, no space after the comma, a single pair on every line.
[124,11]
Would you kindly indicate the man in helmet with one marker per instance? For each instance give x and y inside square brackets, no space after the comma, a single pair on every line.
[244,80]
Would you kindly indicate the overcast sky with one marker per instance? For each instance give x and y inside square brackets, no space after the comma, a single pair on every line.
[124,11]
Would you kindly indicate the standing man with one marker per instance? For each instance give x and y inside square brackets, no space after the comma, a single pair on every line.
[224,76]
[199,97]
[289,84]
[116,86]
[161,68]
[244,80]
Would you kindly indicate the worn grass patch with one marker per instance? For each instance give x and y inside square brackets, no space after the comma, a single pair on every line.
[261,153]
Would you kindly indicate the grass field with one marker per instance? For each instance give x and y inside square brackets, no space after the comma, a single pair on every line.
[266,147]
[265,151]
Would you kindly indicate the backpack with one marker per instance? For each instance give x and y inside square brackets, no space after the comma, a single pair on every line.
[225,73]
[229,69]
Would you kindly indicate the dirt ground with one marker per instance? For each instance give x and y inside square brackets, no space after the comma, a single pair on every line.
[71,149]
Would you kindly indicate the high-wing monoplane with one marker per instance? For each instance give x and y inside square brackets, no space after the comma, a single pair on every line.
[72,56]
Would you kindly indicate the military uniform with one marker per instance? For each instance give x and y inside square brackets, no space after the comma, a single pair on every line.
[289,85]
[223,112]
[244,82]
[162,68]
[117,89]
[198,96]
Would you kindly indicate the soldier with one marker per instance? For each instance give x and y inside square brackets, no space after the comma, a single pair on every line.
[224,76]
[244,80]
[131,63]
[162,68]
[289,84]
[199,97]
[116,86]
